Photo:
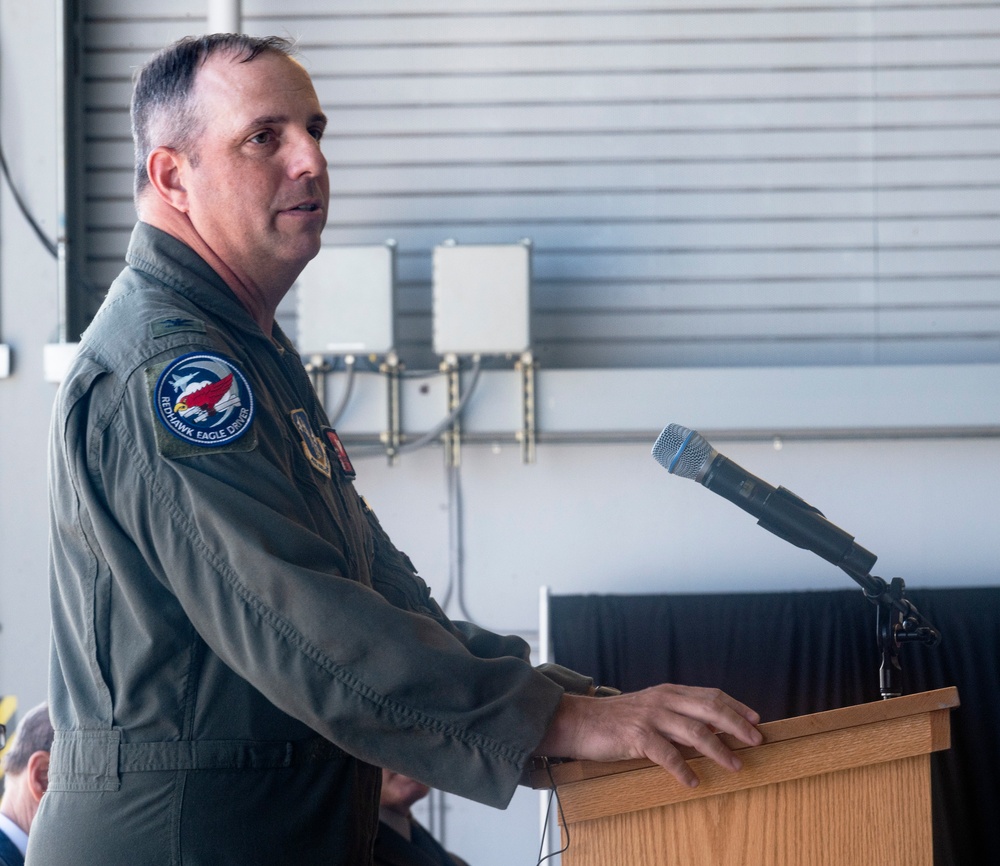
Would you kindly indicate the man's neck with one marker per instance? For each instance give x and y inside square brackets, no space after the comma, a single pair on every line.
[261,302]
[398,822]
[14,828]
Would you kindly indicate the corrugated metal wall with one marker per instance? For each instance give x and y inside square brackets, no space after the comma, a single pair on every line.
[705,183]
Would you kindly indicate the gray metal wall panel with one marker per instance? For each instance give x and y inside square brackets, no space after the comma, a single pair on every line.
[814,181]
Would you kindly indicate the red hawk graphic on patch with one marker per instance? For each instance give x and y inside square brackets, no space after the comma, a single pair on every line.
[204,398]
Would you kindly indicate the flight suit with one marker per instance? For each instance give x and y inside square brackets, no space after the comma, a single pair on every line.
[236,643]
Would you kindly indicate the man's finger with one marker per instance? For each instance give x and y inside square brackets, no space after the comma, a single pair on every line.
[664,753]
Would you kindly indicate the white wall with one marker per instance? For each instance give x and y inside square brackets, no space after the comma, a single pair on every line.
[28,320]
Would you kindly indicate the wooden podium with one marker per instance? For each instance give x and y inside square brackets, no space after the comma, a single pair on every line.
[848,787]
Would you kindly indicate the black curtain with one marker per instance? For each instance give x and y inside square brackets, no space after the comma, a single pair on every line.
[794,653]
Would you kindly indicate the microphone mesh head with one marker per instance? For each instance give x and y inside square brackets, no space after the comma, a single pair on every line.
[683,452]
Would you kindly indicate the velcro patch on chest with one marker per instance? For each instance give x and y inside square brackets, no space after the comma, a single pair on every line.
[312,445]
[346,467]
[202,402]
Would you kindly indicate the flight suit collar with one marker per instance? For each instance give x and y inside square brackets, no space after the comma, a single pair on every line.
[175,264]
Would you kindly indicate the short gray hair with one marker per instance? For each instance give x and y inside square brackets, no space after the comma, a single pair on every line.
[161,95]
[34,734]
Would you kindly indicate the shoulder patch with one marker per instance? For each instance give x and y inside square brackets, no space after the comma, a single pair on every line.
[173,325]
[203,400]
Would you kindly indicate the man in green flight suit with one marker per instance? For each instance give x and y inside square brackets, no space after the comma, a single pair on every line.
[237,646]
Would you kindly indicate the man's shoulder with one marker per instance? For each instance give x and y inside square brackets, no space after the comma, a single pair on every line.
[139,328]
[135,305]
[141,320]
[9,854]
[393,849]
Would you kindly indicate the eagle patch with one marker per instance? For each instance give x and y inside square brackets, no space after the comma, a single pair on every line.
[204,400]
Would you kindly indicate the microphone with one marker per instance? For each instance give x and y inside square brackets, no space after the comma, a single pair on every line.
[686,453]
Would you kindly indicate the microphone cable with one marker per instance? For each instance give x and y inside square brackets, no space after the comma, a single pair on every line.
[548,811]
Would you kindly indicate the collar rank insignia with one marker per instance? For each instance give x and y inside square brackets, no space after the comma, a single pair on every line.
[346,467]
[204,399]
[312,445]
[175,324]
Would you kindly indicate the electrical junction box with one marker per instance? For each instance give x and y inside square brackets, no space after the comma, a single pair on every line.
[346,299]
[482,299]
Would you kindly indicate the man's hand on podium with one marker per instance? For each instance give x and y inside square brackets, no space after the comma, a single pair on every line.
[648,724]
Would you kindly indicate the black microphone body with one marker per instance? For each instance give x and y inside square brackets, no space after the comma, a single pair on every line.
[686,453]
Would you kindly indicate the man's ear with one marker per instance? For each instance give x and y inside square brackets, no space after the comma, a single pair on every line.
[37,774]
[164,167]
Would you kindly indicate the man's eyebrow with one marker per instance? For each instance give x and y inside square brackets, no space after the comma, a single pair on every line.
[268,119]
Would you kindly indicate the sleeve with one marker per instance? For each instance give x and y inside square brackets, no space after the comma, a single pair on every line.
[229,533]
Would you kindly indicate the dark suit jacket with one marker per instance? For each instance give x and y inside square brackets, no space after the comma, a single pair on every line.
[9,855]
[391,849]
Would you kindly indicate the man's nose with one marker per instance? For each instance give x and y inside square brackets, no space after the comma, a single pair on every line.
[307,156]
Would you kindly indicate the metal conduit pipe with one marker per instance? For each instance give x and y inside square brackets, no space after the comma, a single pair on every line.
[225,16]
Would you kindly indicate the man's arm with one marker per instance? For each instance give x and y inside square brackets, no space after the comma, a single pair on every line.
[641,724]
[650,724]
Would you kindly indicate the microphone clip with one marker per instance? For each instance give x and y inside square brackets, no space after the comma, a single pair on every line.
[897,622]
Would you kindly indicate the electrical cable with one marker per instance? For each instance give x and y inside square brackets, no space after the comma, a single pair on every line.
[440,427]
[46,241]
[334,416]
[452,416]
[545,826]
[562,816]
[455,553]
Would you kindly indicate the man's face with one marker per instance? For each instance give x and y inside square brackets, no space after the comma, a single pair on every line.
[399,792]
[257,186]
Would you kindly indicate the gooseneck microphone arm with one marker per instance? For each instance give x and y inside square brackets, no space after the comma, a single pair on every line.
[686,453]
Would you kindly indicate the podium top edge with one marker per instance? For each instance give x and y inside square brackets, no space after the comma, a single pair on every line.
[795,727]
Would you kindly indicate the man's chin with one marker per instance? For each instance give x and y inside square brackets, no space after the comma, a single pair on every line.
[305,246]
[313,252]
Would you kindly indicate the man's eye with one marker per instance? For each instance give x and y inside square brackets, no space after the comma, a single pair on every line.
[316,133]
[262,137]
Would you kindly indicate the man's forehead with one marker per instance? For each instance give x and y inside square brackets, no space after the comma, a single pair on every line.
[268,76]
